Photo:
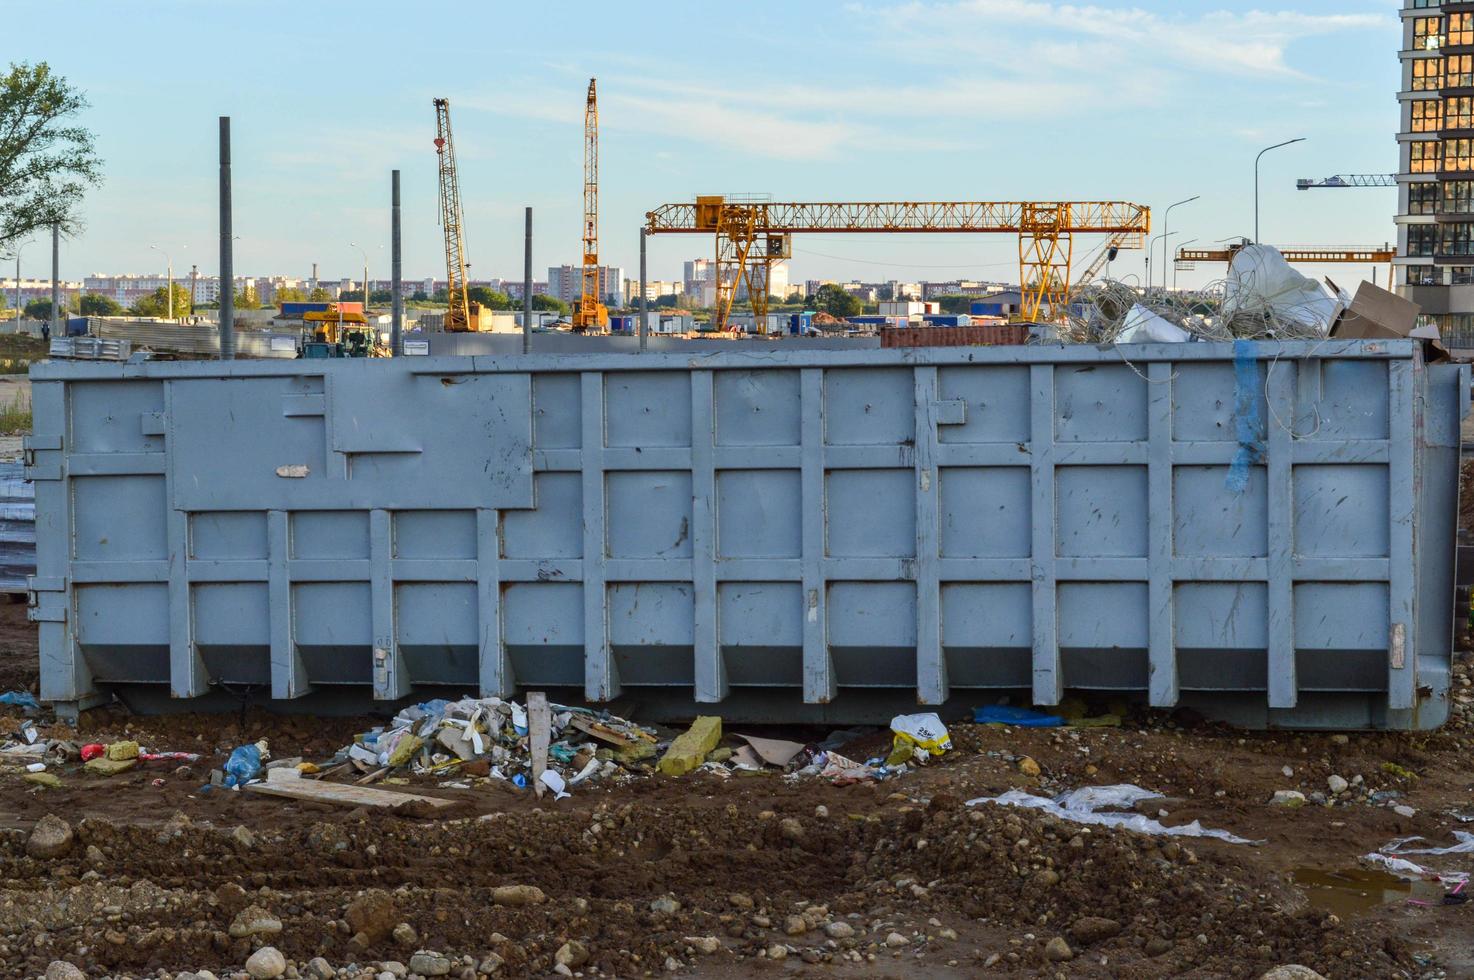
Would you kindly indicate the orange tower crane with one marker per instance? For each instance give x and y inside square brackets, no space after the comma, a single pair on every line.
[750,235]
[591,313]
[458,317]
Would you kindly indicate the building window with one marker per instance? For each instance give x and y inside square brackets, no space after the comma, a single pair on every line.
[1455,197]
[1458,113]
[1458,71]
[1460,29]
[1424,275]
[1463,275]
[1428,115]
[1424,157]
[1427,74]
[1456,239]
[1422,198]
[1427,33]
[1458,155]
[1421,239]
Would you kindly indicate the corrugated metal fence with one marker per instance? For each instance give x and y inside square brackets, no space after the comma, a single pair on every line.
[1265,531]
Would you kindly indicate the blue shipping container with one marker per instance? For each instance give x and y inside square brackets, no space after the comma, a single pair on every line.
[297,309]
[987,309]
[948,319]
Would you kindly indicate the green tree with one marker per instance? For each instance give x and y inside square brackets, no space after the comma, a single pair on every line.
[290,294]
[351,296]
[418,296]
[954,304]
[551,304]
[157,302]
[319,295]
[381,296]
[40,309]
[489,298]
[247,299]
[46,162]
[835,301]
[440,296]
[95,304]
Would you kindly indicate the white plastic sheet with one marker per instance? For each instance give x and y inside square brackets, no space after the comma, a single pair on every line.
[1085,806]
[1261,282]
[1142,326]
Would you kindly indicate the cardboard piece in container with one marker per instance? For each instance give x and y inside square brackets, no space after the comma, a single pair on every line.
[774,751]
[1376,314]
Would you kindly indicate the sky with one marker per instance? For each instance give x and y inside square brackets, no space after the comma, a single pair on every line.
[1152,102]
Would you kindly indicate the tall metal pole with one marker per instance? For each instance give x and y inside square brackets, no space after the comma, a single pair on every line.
[1298,139]
[527,288]
[17,288]
[227,259]
[1166,215]
[55,276]
[644,296]
[396,287]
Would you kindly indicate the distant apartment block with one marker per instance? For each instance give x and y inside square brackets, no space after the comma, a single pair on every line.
[565,282]
[34,289]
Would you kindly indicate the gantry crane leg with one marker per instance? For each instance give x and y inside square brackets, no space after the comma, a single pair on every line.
[1045,250]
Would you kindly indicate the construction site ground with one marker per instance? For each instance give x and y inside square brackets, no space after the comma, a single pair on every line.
[746,876]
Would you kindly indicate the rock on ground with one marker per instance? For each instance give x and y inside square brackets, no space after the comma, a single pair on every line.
[517,895]
[1293,971]
[372,916]
[428,963]
[572,954]
[1058,951]
[62,970]
[1090,929]
[50,838]
[267,963]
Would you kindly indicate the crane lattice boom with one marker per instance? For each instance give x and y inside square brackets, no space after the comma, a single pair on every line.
[1045,231]
[591,312]
[458,317]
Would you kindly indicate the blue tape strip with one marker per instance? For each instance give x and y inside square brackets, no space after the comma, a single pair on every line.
[1248,424]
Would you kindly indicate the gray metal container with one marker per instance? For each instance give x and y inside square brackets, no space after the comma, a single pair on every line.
[1262,531]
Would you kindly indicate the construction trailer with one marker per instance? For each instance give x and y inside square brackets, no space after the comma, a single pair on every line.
[1261,531]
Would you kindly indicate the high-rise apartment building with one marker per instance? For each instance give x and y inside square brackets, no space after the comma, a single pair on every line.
[565,282]
[1435,214]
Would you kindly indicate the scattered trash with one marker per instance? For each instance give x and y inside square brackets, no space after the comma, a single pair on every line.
[20,699]
[244,764]
[93,750]
[1084,806]
[689,749]
[924,732]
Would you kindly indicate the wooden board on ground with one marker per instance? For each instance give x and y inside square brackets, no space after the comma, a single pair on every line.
[338,793]
[539,728]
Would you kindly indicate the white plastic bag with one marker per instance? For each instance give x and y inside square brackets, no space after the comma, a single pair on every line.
[1083,806]
[925,731]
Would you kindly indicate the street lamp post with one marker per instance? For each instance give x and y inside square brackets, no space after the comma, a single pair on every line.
[1298,139]
[169,262]
[1174,264]
[1165,215]
[1150,248]
[18,250]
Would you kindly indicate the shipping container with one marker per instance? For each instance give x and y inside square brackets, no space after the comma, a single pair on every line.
[988,309]
[1261,531]
[947,319]
[297,309]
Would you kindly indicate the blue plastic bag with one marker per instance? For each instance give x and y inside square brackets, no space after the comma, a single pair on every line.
[243,765]
[1000,714]
[20,699]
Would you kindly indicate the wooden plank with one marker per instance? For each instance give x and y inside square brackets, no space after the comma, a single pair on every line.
[601,731]
[539,733]
[341,794]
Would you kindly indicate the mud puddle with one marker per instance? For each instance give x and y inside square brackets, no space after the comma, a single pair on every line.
[1355,891]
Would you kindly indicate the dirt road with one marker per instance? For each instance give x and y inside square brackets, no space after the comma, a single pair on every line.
[748,876]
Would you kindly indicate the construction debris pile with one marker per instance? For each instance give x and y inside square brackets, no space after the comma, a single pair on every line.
[549,747]
[1263,298]
[501,740]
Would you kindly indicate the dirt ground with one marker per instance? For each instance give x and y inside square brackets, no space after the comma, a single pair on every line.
[748,876]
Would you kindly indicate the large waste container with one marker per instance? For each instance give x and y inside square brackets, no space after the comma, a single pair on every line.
[1264,531]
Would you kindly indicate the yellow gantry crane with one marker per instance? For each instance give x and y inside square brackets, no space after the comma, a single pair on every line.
[458,317]
[751,235]
[591,313]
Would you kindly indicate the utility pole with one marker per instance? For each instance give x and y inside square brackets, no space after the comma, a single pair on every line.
[644,297]
[227,259]
[396,270]
[169,262]
[527,288]
[194,280]
[55,275]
